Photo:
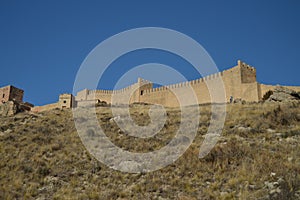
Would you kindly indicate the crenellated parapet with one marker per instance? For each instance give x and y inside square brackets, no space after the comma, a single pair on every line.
[248,73]
[244,65]
[239,82]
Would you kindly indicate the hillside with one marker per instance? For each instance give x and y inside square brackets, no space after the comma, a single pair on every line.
[257,157]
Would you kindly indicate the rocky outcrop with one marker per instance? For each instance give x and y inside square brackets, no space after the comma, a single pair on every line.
[282,94]
[11,108]
[8,108]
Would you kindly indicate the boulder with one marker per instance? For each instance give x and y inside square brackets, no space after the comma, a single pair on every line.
[282,94]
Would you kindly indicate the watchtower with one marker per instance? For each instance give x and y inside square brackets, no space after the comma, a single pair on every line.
[66,101]
[11,93]
[139,88]
[248,73]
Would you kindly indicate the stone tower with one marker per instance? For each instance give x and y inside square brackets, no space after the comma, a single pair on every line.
[142,85]
[248,73]
[11,93]
[66,101]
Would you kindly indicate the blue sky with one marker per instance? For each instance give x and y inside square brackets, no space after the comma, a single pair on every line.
[43,43]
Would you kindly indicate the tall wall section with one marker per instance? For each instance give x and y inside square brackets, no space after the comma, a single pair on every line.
[238,82]
[249,85]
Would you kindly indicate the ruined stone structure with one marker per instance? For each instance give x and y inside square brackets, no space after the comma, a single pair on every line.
[11,93]
[11,101]
[239,82]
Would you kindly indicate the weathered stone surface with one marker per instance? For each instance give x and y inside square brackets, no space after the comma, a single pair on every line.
[239,82]
[281,94]
[65,101]
[8,108]
[12,107]
[11,93]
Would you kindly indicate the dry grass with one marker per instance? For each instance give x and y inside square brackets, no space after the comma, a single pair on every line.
[257,157]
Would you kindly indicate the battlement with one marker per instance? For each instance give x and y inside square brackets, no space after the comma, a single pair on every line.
[143,81]
[244,65]
[232,77]
[238,81]
[248,73]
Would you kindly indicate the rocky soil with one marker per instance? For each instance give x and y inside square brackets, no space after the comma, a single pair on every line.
[257,157]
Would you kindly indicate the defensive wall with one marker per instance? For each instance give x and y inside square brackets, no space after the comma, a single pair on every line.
[11,101]
[64,101]
[239,82]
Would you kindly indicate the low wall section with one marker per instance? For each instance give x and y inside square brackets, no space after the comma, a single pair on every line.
[45,107]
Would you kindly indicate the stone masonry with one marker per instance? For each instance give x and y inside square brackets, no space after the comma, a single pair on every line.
[239,82]
[65,101]
[11,101]
[11,93]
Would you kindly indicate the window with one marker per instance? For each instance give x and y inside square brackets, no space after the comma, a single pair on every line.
[142,92]
[65,101]
[3,95]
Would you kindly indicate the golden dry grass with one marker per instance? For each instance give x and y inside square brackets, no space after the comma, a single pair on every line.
[257,157]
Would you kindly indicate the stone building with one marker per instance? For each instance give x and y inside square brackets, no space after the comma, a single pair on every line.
[11,101]
[11,93]
[66,101]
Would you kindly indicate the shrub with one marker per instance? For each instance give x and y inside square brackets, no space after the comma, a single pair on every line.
[267,95]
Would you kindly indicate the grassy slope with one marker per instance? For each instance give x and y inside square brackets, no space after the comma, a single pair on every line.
[41,156]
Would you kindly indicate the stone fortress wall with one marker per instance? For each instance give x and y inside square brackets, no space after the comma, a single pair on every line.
[239,82]
[64,101]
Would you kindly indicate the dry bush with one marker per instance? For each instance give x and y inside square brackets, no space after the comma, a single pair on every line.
[42,156]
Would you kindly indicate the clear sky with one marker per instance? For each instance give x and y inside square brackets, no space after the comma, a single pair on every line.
[43,43]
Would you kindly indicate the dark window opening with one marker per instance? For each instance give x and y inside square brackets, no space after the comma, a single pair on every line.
[142,92]
[3,95]
[65,101]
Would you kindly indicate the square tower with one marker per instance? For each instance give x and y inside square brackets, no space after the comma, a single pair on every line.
[144,85]
[66,101]
[11,93]
[248,73]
